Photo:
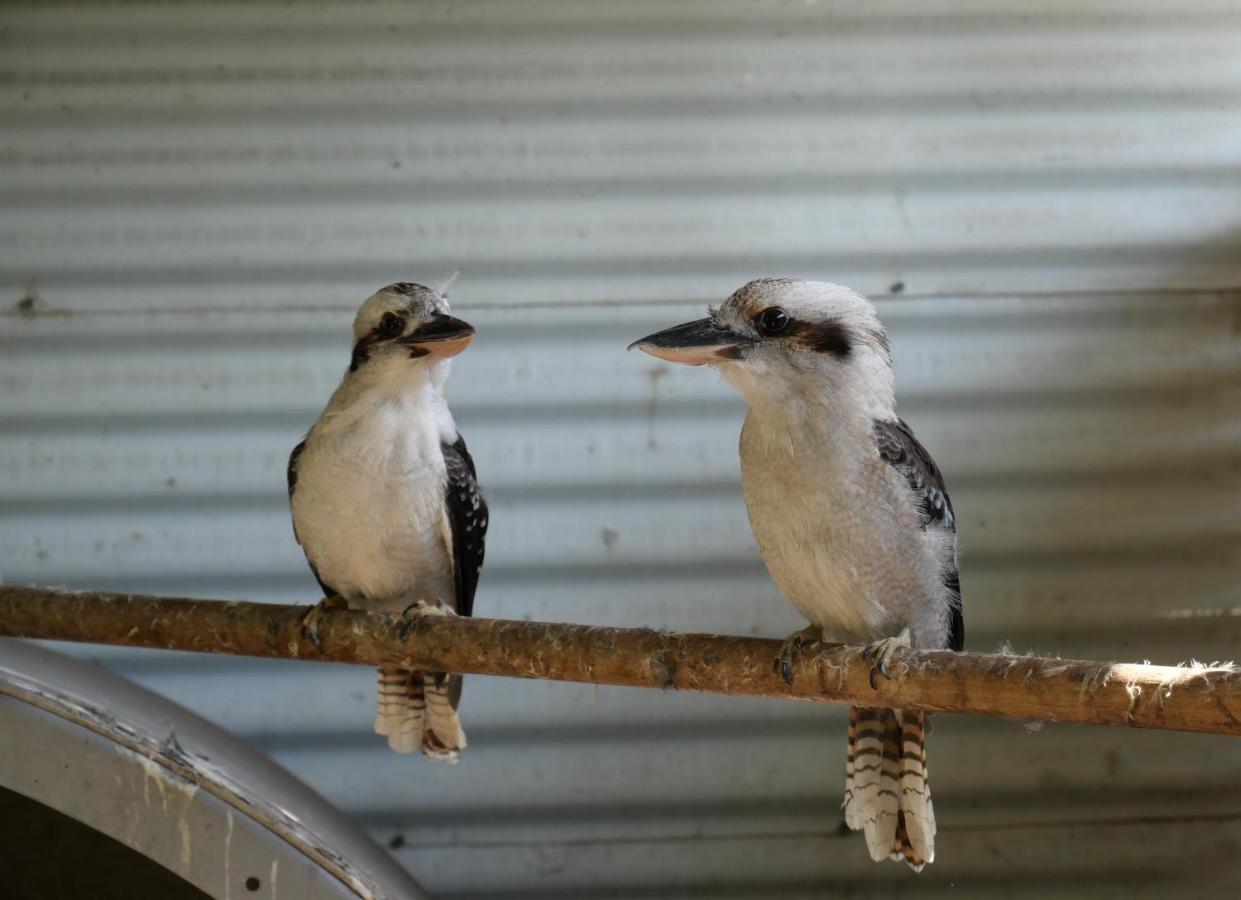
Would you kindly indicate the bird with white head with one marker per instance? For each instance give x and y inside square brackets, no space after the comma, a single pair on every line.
[385,498]
[849,511]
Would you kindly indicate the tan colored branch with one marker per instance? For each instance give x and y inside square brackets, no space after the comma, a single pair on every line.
[1194,698]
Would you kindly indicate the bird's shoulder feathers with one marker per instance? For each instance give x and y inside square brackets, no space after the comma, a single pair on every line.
[466,511]
[897,446]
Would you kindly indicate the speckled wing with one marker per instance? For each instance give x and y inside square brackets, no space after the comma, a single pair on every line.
[899,448]
[467,520]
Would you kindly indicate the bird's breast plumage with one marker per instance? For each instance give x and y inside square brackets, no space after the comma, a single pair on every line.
[839,534]
[369,512]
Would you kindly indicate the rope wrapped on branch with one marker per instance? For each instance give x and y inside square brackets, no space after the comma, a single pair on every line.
[1180,698]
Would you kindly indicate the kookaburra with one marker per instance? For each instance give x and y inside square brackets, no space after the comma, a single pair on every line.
[849,511]
[385,499]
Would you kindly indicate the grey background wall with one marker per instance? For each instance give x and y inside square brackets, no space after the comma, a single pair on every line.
[1042,196]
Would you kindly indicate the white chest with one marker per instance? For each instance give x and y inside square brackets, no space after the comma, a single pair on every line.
[836,534]
[369,511]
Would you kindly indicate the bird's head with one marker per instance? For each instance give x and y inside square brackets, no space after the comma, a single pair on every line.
[778,336]
[405,325]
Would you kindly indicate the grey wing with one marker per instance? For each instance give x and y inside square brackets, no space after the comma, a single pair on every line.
[899,448]
[467,518]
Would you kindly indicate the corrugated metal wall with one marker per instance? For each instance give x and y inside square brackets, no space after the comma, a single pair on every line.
[1044,196]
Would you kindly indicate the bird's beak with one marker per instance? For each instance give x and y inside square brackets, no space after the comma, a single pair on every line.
[442,336]
[697,343]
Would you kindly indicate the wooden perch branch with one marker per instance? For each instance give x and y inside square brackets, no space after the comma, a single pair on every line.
[1186,698]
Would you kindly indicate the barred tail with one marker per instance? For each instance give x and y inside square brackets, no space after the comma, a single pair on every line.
[886,790]
[443,738]
[401,713]
[918,814]
[872,778]
[418,711]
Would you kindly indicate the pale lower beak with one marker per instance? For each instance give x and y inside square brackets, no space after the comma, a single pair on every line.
[698,343]
[442,337]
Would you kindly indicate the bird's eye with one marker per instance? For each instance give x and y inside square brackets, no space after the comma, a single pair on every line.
[391,324]
[773,320]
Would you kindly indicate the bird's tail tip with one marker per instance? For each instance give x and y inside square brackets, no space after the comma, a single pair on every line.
[887,793]
[416,713]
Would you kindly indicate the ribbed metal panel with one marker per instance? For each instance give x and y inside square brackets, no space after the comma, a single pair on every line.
[1043,196]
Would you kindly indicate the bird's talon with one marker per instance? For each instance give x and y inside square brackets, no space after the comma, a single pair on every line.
[879,669]
[409,615]
[311,617]
[416,610]
[784,666]
[791,648]
[882,651]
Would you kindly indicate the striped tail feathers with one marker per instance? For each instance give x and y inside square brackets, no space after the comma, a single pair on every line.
[402,709]
[418,712]
[918,813]
[886,790]
[872,775]
[443,737]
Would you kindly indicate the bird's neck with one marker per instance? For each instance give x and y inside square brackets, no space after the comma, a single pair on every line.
[406,398]
[816,421]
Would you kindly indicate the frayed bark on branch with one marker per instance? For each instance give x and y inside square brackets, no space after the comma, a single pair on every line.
[1195,697]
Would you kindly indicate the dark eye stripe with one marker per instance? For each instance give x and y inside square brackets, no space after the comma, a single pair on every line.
[361,351]
[390,325]
[831,338]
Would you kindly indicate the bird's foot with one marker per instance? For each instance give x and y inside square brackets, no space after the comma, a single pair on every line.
[419,608]
[792,647]
[881,651]
[311,617]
